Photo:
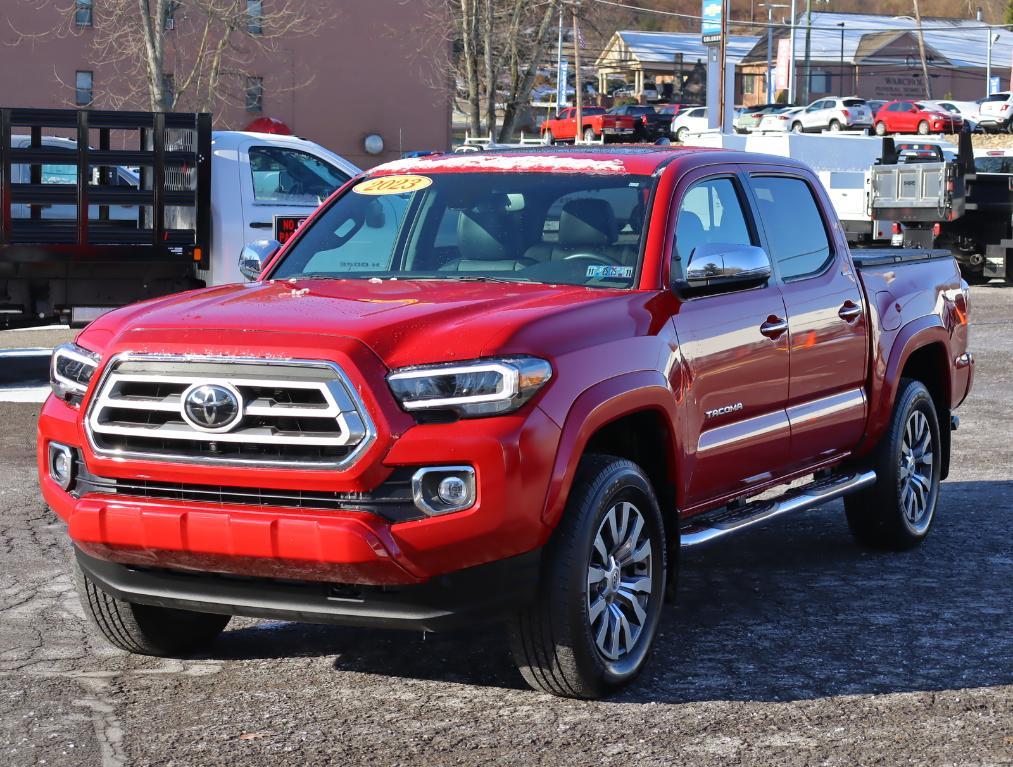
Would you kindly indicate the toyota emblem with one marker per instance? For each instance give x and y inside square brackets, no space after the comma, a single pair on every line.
[212,407]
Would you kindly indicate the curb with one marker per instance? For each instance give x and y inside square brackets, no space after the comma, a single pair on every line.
[24,367]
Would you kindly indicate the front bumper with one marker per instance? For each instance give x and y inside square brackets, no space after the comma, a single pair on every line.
[512,457]
[445,602]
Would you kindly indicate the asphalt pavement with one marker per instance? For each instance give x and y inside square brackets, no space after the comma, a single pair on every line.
[788,645]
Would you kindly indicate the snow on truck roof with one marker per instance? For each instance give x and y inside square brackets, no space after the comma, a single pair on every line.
[592,160]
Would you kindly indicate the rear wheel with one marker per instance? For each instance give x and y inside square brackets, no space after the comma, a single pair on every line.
[835,126]
[589,134]
[880,129]
[590,628]
[923,128]
[897,512]
[146,629]
[796,127]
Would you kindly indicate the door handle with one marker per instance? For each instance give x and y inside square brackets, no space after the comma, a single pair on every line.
[774,327]
[850,311]
[260,225]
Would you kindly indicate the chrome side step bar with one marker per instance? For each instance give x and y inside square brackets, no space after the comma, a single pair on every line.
[731,520]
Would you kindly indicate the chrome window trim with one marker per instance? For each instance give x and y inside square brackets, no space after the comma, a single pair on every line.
[346,391]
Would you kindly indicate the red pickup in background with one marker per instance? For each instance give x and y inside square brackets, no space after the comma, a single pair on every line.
[595,124]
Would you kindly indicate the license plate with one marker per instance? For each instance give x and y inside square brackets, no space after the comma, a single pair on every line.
[897,240]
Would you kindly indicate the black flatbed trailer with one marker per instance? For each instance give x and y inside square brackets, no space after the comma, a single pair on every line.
[107,236]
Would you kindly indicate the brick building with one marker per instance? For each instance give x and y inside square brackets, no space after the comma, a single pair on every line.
[364,71]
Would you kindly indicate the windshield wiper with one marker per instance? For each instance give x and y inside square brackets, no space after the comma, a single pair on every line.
[472,278]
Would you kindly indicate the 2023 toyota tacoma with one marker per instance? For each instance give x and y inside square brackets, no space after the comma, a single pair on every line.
[510,384]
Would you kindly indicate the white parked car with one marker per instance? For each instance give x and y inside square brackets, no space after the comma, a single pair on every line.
[688,121]
[996,111]
[833,114]
[779,120]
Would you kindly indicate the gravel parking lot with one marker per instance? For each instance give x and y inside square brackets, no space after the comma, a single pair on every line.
[788,645]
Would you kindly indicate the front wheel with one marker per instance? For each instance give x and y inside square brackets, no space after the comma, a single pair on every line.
[923,128]
[680,135]
[146,629]
[548,138]
[897,512]
[590,628]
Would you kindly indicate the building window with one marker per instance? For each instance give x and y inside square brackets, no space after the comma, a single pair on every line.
[168,91]
[82,13]
[84,93]
[819,82]
[255,14]
[254,94]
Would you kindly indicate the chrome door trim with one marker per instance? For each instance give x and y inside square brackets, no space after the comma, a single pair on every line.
[747,428]
[826,406]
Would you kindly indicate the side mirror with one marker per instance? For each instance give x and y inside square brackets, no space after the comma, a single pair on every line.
[726,266]
[254,256]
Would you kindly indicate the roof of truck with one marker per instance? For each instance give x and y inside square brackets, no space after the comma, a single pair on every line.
[635,159]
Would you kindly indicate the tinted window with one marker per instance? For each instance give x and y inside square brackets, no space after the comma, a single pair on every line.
[292,177]
[795,233]
[854,103]
[710,211]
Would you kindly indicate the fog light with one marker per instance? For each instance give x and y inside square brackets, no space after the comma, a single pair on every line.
[452,490]
[61,464]
[443,489]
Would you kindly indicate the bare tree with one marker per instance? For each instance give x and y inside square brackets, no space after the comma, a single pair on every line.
[187,54]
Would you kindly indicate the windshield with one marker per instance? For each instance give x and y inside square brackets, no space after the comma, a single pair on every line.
[527,227]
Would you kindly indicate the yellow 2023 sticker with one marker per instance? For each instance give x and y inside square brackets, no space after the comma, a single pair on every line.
[392,185]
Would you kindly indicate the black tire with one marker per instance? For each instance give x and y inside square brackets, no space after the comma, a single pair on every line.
[878,516]
[923,128]
[552,639]
[145,629]
[880,129]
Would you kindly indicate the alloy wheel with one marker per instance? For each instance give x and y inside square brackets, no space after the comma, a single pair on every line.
[917,482]
[619,581]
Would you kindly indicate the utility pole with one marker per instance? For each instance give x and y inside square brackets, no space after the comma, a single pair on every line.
[808,48]
[921,52]
[577,85]
[722,55]
[840,84]
[791,56]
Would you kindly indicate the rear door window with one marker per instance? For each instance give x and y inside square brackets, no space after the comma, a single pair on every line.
[796,234]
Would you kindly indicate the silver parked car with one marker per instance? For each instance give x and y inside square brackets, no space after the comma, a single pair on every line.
[833,114]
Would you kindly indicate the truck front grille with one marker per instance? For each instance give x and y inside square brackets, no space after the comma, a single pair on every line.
[300,414]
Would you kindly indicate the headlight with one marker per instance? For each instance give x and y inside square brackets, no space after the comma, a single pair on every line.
[70,370]
[470,389]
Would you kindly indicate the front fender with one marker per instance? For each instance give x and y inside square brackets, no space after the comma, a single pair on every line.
[595,407]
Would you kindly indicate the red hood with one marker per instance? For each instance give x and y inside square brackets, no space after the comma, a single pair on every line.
[404,322]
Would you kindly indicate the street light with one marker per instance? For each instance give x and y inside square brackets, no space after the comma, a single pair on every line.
[770,20]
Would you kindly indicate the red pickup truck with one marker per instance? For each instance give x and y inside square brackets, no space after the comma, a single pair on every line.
[595,123]
[511,384]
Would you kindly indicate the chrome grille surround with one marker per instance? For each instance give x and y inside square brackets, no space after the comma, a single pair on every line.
[121,424]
